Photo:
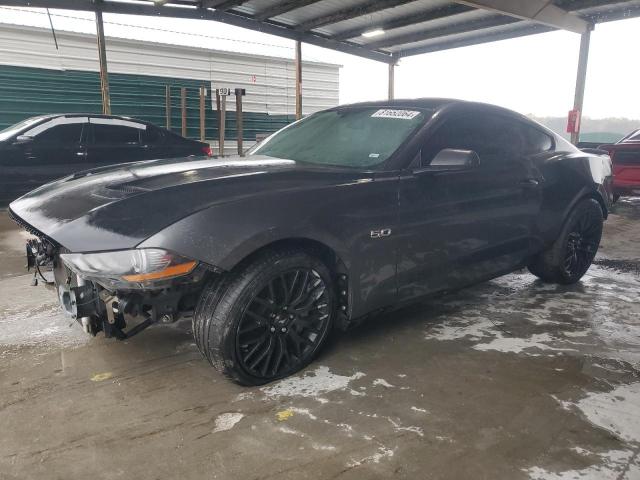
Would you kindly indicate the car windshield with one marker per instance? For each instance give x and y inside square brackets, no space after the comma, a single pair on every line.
[349,137]
[632,137]
[18,127]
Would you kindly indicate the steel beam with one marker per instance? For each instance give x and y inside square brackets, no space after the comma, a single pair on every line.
[348,13]
[445,31]
[298,65]
[222,4]
[282,7]
[102,57]
[581,78]
[631,11]
[474,40]
[541,11]
[229,18]
[426,16]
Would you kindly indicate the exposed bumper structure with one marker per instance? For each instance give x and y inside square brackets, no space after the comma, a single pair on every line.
[97,307]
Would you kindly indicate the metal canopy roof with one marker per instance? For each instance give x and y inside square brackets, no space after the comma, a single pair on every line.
[405,27]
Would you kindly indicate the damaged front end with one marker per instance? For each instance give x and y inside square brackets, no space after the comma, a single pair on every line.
[110,291]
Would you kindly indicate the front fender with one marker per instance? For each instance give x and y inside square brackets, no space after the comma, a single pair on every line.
[341,217]
[224,235]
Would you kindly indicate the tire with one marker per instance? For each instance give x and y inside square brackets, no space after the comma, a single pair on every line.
[570,256]
[268,319]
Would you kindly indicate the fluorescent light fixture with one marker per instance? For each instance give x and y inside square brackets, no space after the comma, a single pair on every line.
[373,33]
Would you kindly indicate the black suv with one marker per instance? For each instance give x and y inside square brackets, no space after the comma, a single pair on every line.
[43,148]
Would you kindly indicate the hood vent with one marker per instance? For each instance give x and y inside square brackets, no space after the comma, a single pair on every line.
[124,188]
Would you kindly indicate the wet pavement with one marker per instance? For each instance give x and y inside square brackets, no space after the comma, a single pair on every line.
[511,379]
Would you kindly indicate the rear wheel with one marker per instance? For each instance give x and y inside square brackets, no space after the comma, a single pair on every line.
[267,320]
[570,256]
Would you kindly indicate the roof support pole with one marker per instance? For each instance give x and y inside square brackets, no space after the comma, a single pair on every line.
[239,128]
[203,131]
[183,111]
[391,81]
[167,99]
[581,78]
[298,66]
[102,56]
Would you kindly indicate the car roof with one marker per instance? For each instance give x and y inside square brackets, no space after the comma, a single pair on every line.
[437,104]
[92,115]
[428,103]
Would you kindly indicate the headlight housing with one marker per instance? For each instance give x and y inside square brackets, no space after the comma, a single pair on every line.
[129,268]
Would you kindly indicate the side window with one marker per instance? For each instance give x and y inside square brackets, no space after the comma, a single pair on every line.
[535,141]
[116,132]
[68,134]
[497,140]
[58,131]
[150,135]
[622,157]
[632,137]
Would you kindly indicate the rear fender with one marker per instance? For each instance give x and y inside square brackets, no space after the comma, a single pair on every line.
[568,180]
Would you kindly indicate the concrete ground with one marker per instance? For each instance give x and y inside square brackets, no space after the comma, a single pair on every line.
[511,379]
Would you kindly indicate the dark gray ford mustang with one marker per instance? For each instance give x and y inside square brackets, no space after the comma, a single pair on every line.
[347,212]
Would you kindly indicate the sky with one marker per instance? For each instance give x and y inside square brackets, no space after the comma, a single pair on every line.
[534,75]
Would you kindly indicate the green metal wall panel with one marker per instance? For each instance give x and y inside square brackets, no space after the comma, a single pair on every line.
[25,92]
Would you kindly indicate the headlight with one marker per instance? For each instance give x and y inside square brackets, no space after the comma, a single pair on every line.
[135,266]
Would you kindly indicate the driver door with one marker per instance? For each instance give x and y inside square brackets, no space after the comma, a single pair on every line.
[461,227]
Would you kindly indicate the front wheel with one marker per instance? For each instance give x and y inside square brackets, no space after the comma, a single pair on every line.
[570,256]
[269,319]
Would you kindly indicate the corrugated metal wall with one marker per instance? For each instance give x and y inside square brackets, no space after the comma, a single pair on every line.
[35,79]
[25,92]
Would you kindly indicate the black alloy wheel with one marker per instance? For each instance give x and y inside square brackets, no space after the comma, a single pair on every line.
[268,318]
[582,244]
[284,323]
[570,256]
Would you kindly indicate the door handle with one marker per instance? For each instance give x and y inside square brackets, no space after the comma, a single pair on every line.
[81,154]
[530,182]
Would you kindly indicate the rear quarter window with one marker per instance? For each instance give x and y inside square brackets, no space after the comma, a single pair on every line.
[115,135]
[535,140]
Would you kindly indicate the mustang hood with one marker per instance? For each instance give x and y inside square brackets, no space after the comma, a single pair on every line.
[118,207]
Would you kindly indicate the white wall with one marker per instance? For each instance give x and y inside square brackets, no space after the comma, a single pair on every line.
[269,81]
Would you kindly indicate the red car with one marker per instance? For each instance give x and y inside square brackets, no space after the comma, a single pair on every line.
[625,155]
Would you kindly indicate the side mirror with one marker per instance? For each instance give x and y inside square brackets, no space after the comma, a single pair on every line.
[451,160]
[23,139]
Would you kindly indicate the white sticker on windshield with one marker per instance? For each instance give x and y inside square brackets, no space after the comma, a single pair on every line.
[399,114]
